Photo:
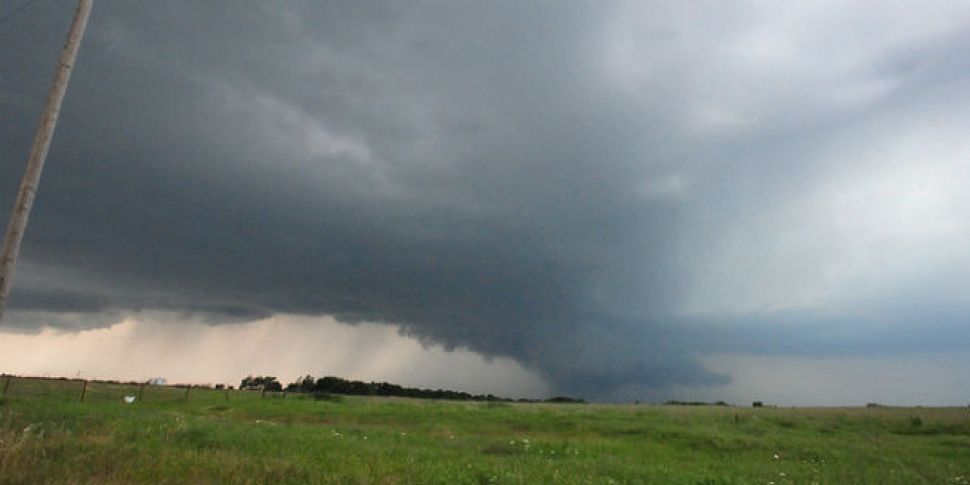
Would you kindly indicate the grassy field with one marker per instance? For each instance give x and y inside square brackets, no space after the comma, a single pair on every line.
[48,436]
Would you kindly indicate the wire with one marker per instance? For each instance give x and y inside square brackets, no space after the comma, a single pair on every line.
[15,11]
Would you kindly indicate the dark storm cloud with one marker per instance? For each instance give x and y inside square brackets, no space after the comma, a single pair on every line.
[550,182]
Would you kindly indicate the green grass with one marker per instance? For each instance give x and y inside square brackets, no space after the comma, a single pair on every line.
[47,436]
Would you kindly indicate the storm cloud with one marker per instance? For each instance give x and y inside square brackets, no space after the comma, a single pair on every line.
[603,192]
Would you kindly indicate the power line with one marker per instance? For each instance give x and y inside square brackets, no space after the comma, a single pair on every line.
[15,11]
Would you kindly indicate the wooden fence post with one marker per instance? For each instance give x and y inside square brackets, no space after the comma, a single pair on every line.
[262,394]
[284,393]
[84,390]
[6,385]
[227,394]
[141,391]
[187,389]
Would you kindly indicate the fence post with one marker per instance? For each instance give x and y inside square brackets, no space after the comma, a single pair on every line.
[262,394]
[141,391]
[284,393]
[227,394]
[6,385]
[84,390]
[187,389]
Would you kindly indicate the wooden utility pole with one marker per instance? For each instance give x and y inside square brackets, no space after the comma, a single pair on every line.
[38,152]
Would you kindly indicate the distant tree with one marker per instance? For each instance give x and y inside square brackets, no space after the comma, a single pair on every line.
[695,403]
[261,382]
[304,384]
[273,386]
[565,399]
[330,385]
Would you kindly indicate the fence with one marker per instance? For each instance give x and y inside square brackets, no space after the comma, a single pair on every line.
[82,390]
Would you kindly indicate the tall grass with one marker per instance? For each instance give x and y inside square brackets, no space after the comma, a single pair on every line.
[48,436]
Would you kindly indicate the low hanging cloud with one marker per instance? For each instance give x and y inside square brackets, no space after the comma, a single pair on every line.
[600,193]
[143,345]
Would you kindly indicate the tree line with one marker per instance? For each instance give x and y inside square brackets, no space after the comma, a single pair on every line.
[337,385]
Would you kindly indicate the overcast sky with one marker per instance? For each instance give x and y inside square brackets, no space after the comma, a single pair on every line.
[618,200]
